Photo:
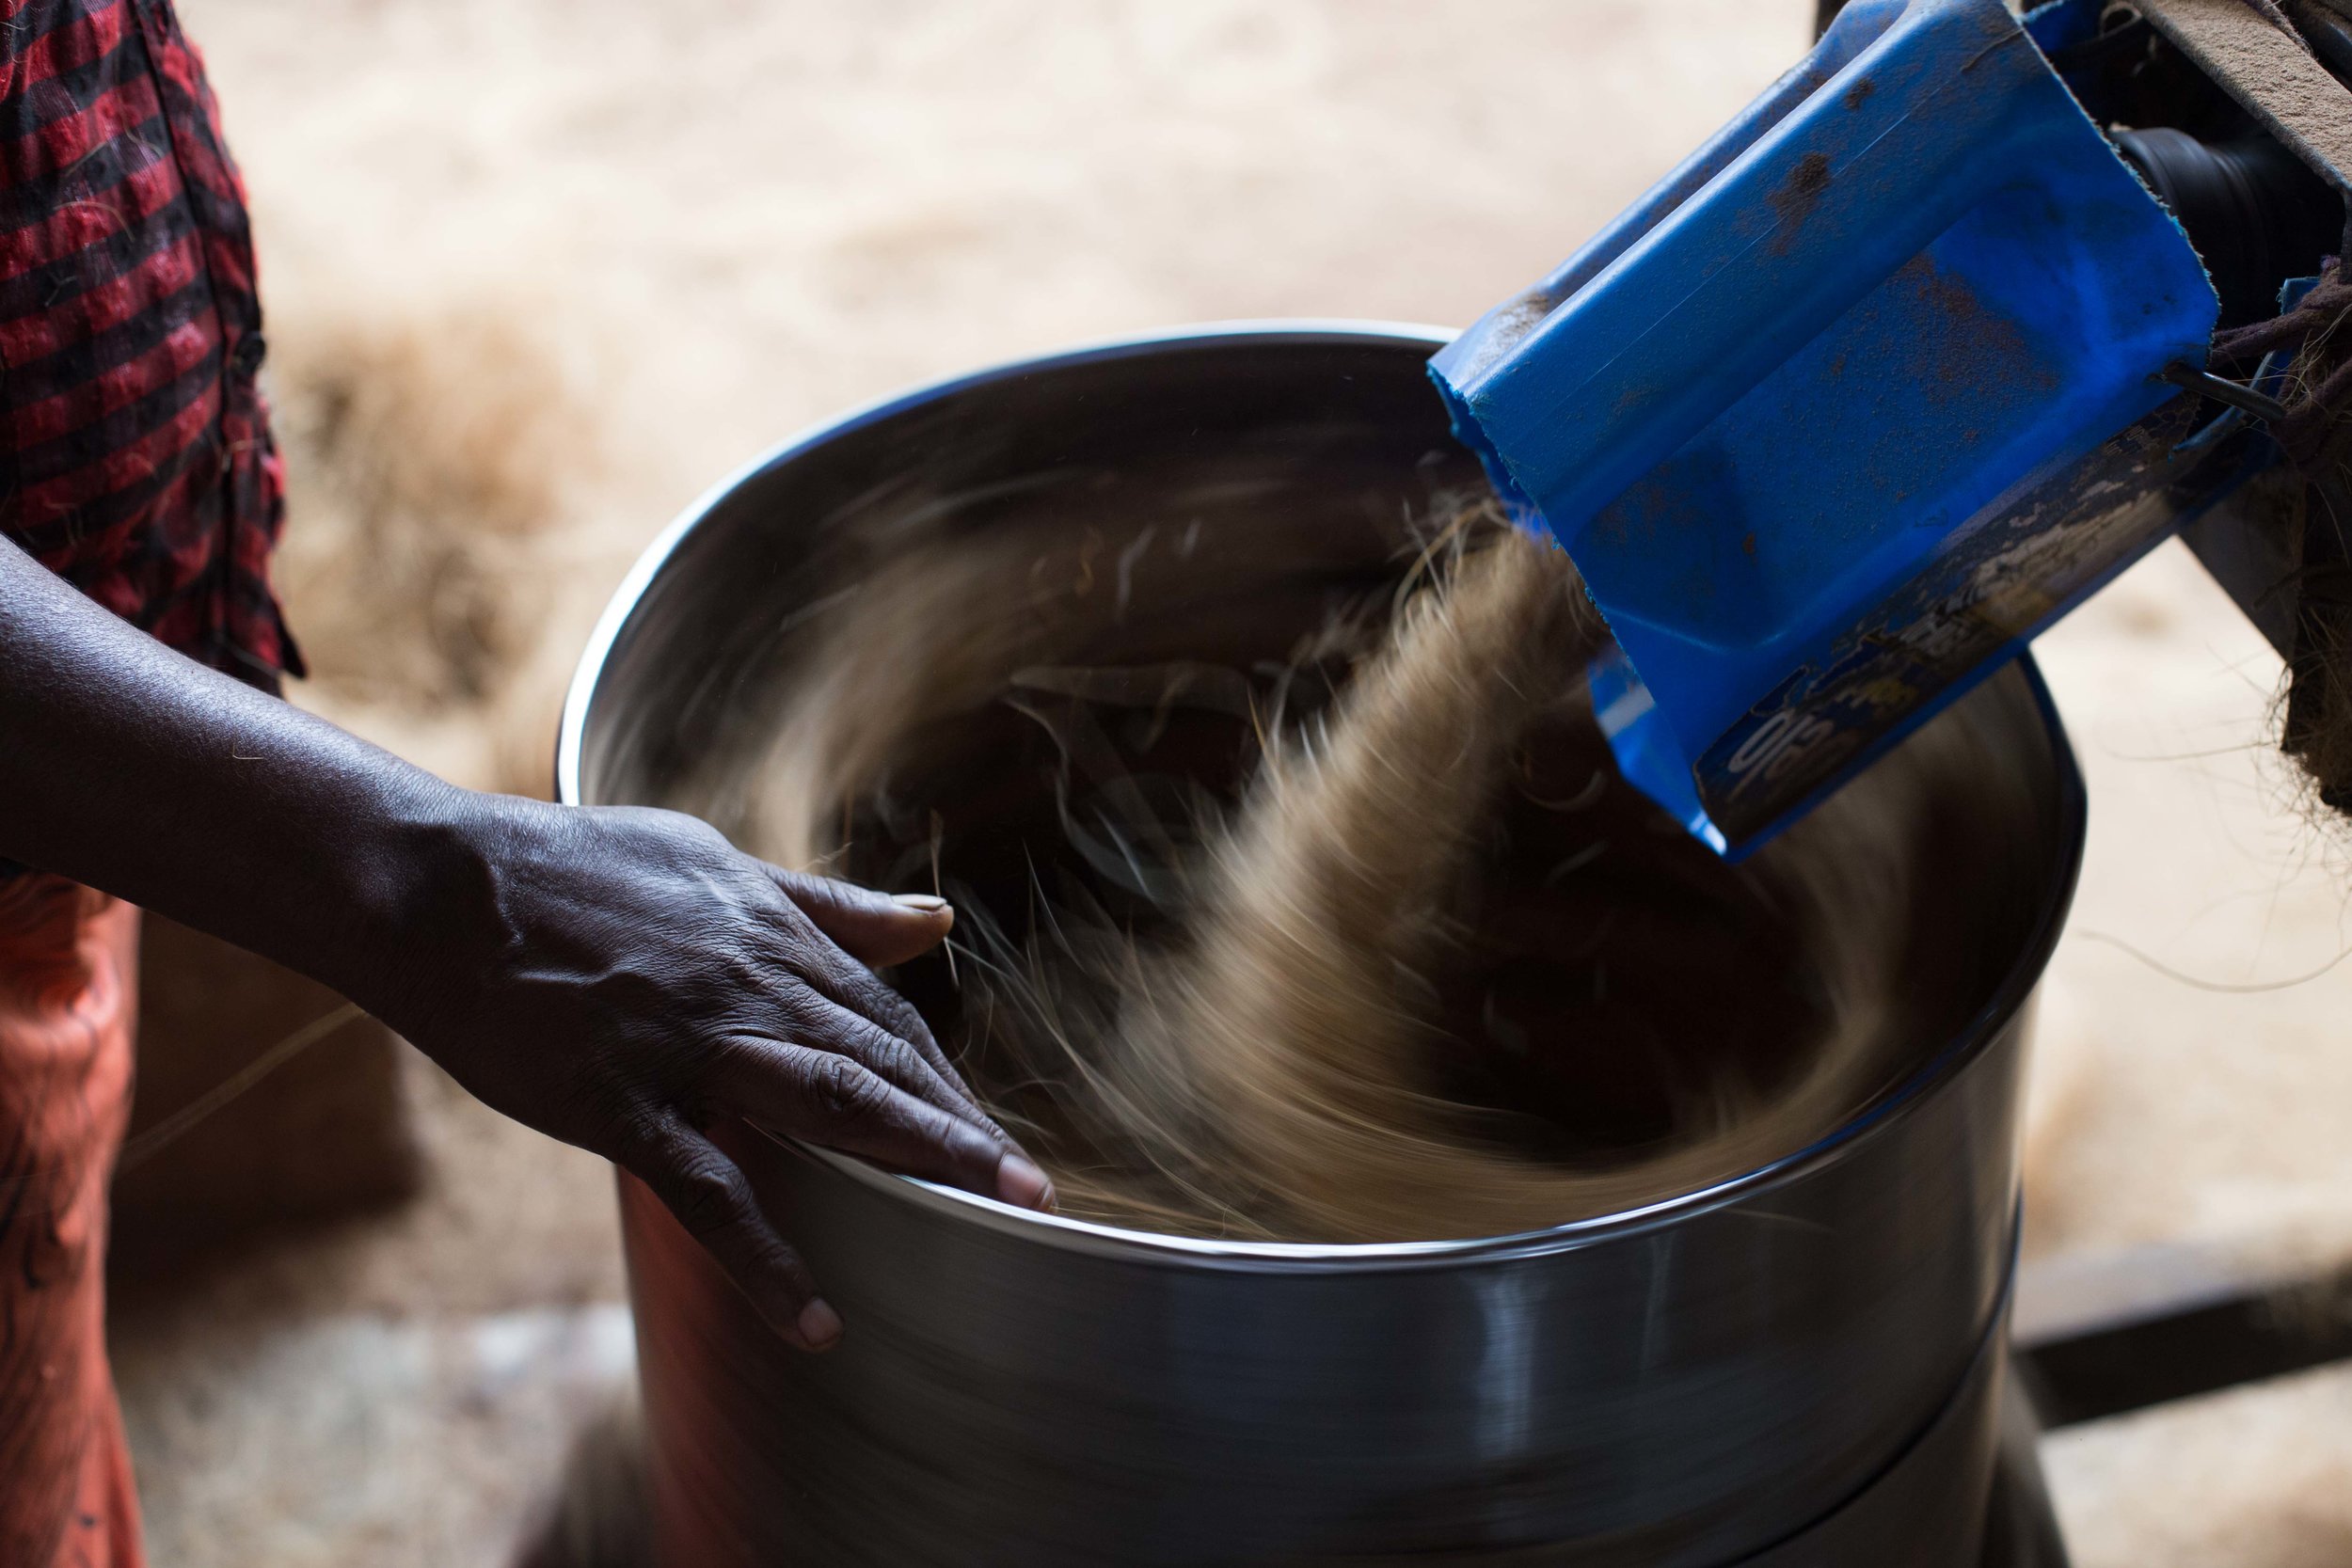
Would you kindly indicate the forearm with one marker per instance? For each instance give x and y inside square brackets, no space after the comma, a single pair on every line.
[129,768]
[622,979]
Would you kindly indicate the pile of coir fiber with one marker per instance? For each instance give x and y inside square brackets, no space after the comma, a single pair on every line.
[1357,939]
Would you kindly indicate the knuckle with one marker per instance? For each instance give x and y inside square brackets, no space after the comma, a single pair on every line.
[703,1196]
[742,972]
[878,1002]
[804,1016]
[845,1092]
[899,1016]
[637,1131]
[894,1057]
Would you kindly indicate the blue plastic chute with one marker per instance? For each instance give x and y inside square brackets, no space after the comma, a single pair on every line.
[1850,406]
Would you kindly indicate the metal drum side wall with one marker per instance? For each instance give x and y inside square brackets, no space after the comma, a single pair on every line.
[1688,1388]
[1677,1395]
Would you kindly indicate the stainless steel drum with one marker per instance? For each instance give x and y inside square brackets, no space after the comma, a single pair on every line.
[1803,1365]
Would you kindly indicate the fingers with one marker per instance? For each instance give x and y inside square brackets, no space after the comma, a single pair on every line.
[829,1025]
[828,1098]
[863,1019]
[847,985]
[853,991]
[876,928]
[710,1197]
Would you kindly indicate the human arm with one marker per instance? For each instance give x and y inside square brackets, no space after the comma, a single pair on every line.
[619,978]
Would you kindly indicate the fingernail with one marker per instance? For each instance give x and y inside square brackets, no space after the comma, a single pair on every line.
[923,902]
[1019,1181]
[820,1326]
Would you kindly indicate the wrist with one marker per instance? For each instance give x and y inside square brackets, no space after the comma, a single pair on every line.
[422,885]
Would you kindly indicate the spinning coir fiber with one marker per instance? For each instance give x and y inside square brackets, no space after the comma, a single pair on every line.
[1359,940]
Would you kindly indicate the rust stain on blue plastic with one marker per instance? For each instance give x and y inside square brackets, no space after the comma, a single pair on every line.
[1794,201]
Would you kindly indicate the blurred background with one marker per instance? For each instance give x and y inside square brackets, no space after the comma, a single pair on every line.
[539,271]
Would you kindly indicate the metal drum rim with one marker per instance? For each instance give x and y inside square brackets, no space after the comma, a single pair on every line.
[2008,999]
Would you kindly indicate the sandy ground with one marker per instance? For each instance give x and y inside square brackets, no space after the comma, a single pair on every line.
[539,271]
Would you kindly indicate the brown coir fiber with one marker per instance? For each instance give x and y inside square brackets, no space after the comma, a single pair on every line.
[1363,943]
[2313,509]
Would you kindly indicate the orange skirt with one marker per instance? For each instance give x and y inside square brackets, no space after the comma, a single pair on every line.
[69,1003]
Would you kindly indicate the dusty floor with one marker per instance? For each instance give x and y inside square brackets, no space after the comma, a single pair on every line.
[571,259]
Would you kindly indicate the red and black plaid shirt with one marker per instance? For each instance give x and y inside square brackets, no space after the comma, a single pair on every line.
[135,459]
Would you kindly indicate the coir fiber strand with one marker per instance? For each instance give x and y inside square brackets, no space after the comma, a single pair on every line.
[1276,1058]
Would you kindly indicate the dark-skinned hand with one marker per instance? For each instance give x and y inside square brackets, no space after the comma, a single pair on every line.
[688,984]
[622,979]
